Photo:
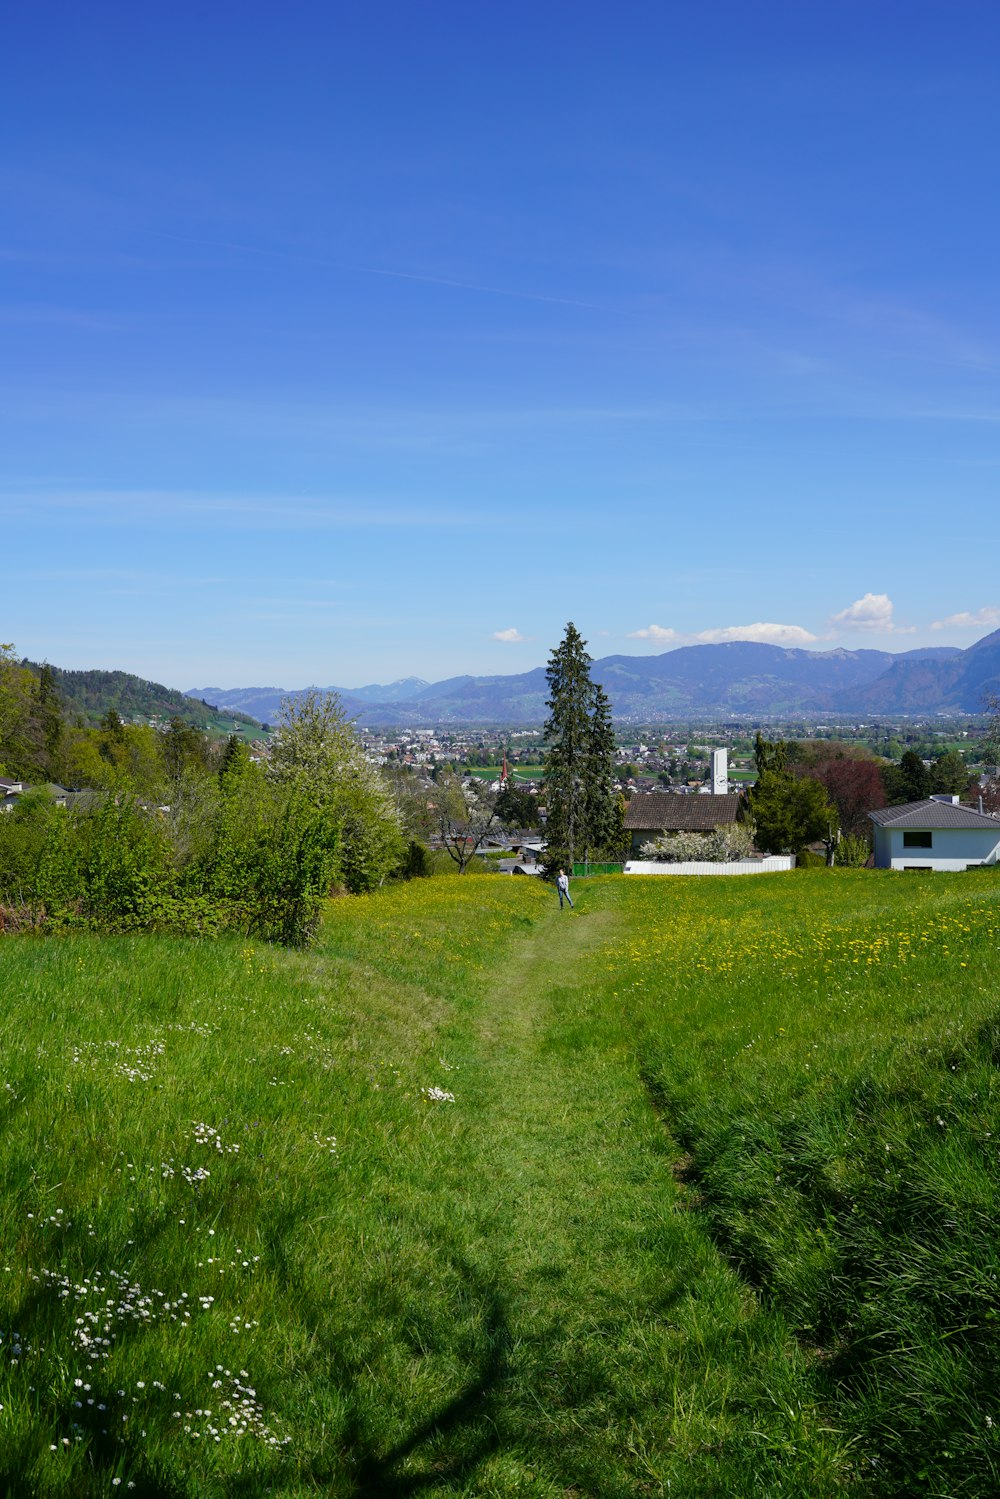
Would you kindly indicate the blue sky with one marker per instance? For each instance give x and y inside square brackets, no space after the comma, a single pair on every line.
[345,342]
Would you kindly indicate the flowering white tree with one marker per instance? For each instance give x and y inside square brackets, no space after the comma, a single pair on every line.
[717,847]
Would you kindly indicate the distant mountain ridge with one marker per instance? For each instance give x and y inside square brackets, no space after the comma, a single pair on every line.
[930,685]
[735,678]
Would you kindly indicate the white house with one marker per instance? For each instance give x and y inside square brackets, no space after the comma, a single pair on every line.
[936,833]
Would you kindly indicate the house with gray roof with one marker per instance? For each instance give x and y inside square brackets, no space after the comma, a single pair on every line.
[936,833]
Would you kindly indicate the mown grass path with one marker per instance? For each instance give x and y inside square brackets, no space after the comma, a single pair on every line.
[616,1353]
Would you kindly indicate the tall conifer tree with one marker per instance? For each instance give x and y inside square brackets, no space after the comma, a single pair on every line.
[579,756]
[599,775]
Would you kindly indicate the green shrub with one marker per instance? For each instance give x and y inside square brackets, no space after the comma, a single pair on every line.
[807,858]
[24,834]
[417,862]
[125,865]
[852,852]
[272,862]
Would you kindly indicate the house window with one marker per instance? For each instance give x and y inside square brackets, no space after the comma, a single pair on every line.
[916,840]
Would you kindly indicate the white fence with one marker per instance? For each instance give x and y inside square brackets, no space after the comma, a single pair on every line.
[773,864]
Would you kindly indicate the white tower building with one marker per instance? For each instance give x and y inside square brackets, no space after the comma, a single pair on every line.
[720,772]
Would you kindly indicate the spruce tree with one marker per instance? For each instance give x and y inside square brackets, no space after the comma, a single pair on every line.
[769,754]
[599,776]
[914,778]
[235,762]
[579,755]
[567,736]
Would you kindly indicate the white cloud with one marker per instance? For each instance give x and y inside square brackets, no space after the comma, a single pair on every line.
[987,618]
[873,612]
[510,637]
[767,634]
[658,633]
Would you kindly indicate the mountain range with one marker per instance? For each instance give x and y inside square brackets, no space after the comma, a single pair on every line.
[737,678]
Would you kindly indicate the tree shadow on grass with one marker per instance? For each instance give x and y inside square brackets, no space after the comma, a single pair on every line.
[467,1421]
[443,1449]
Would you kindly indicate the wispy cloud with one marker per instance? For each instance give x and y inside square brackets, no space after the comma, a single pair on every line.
[659,633]
[321,263]
[509,637]
[255,512]
[987,618]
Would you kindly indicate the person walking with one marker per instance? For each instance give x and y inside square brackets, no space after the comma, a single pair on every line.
[562,885]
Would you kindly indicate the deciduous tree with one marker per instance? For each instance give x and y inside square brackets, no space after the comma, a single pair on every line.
[316,751]
[466,815]
[17,689]
[855,787]
[991,744]
[788,812]
[48,725]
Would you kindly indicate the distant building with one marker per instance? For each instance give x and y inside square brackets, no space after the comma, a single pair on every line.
[12,791]
[936,833]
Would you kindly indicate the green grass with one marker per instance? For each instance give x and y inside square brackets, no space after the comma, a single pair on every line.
[518,772]
[712,1210]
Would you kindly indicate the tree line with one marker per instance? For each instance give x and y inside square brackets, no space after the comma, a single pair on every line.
[175,832]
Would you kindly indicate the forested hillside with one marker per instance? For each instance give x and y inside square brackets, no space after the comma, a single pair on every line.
[89,695]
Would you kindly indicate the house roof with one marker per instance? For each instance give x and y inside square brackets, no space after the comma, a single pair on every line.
[666,812]
[932,814]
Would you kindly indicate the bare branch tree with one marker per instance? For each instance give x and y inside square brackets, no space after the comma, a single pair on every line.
[467,813]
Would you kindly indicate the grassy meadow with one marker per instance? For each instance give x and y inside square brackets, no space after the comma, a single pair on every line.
[692,1190]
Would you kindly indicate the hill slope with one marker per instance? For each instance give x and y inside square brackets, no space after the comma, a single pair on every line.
[90,694]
